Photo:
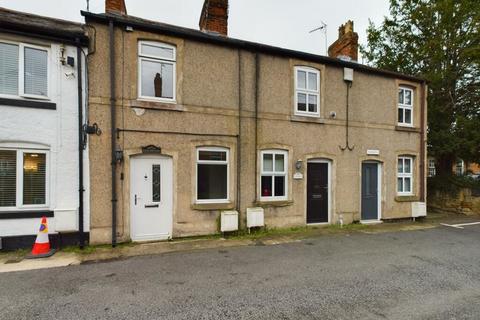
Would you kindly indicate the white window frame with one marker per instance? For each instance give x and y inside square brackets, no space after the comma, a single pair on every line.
[432,170]
[214,162]
[19,183]
[403,175]
[306,91]
[460,164]
[146,57]
[21,71]
[274,173]
[403,106]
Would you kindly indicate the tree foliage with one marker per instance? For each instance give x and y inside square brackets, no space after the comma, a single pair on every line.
[438,40]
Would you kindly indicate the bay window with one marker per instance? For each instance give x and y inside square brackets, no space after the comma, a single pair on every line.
[23,70]
[212,175]
[23,178]
[273,178]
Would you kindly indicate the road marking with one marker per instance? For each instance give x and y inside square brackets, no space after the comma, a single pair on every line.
[460,225]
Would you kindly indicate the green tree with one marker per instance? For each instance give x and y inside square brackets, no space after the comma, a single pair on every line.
[438,40]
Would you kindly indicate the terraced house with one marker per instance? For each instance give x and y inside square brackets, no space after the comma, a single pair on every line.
[195,124]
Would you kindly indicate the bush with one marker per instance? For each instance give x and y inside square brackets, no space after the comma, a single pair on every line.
[451,184]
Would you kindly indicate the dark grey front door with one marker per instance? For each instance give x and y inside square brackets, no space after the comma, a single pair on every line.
[369,191]
[317,192]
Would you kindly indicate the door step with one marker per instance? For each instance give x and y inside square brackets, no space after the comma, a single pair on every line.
[371,221]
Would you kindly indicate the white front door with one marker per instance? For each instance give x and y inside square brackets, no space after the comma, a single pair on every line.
[151,198]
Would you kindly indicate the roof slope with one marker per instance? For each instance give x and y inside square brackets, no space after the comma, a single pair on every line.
[159,27]
[32,24]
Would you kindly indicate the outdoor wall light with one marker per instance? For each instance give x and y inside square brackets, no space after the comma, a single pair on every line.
[118,155]
[298,164]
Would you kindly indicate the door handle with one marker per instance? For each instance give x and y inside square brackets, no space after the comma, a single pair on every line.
[151,206]
[135,199]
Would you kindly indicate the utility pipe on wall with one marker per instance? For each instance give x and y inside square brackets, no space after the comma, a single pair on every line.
[81,146]
[112,132]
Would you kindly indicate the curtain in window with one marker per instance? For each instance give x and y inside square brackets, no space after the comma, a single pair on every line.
[8,178]
[34,165]
[36,72]
[8,69]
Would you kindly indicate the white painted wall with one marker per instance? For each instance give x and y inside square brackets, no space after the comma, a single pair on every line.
[57,131]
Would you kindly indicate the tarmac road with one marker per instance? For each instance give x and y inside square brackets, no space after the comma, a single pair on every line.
[426,274]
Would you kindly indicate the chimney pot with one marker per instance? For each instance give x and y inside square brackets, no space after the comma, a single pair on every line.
[346,46]
[214,17]
[115,6]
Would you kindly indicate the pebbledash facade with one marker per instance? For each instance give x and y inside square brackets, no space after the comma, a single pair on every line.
[42,95]
[203,124]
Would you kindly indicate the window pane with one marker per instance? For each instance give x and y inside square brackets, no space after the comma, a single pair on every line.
[8,69]
[312,103]
[157,79]
[407,187]
[212,155]
[34,165]
[301,79]
[268,162]
[408,165]
[312,81]
[279,162]
[408,116]
[400,165]
[156,183]
[279,186]
[408,97]
[211,181]
[8,178]
[266,186]
[36,77]
[161,52]
[400,184]
[302,102]
[400,96]
[400,115]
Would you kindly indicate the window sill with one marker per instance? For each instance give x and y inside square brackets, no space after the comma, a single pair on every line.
[28,103]
[307,119]
[25,214]
[407,129]
[405,198]
[213,206]
[156,105]
[274,203]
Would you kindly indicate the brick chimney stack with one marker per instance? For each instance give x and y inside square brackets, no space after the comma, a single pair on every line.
[115,6]
[346,46]
[214,17]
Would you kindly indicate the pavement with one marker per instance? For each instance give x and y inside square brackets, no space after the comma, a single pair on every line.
[381,272]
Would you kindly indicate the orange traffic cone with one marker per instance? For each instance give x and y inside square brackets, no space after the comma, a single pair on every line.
[41,248]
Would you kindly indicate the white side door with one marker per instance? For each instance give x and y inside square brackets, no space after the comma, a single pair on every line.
[151,198]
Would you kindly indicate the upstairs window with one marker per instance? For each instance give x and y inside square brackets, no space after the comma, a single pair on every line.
[405,176]
[432,171]
[307,91]
[23,179]
[156,65]
[23,70]
[212,175]
[405,106]
[273,180]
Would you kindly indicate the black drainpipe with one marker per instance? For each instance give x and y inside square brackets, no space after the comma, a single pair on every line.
[81,146]
[113,133]
[239,138]
[257,76]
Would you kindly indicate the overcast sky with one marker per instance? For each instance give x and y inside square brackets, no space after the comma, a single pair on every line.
[284,23]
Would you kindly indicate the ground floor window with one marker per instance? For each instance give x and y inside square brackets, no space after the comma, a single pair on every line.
[212,174]
[273,178]
[23,178]
[405,175]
